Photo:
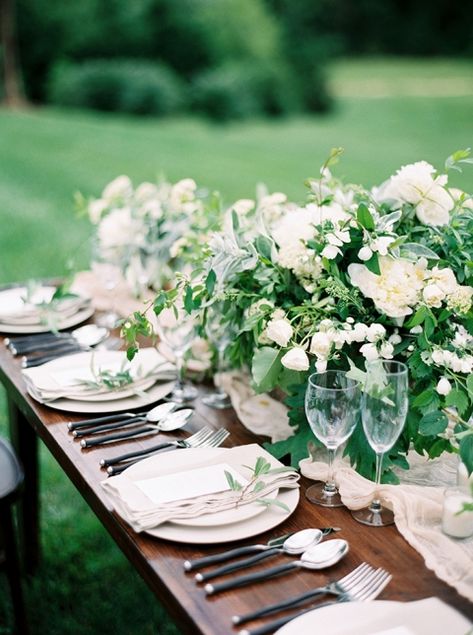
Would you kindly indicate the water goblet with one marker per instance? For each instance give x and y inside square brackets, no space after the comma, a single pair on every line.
[220,335]
[383,412]
[178,332]
[105,265]
[332,406]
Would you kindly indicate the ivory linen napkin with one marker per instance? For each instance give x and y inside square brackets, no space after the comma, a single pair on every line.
[417,514]
[135,507]
[259,413]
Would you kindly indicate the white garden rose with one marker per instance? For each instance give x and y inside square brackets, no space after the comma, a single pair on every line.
[396,290]
[443,386]
[296,359]
[444,278]
[321,345]
[119,188]
[279,331]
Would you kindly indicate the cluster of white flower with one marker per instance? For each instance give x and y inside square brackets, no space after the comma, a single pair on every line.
[457,357]
[417,184]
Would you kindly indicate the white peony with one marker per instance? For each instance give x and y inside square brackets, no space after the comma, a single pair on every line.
[434,209]
[296,359]
[443,386]
[433,295]
[396,290]
[279,331]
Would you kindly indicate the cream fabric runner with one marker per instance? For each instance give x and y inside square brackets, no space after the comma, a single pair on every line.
[261,414]
[417,511]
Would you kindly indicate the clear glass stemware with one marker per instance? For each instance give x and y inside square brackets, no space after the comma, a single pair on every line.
[106,266]
[332,406]
[383,411]
[220,335]
[178,332]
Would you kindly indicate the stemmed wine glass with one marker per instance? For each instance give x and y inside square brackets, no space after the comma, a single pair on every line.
[220,335]
[178,332]
[383,412]
[332,406]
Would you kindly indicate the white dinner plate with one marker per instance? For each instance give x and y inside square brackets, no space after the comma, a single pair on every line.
[184,460]
[47,376]
[423,617]
[150,396]
[223,526]
[65,323]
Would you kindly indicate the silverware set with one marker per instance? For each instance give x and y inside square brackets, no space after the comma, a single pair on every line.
[363,583]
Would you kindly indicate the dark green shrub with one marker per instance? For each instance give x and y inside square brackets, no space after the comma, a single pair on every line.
[133,86]
[239,90]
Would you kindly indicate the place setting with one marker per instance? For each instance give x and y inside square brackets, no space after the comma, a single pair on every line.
[38,308]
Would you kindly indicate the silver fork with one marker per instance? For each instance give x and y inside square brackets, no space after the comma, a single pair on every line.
[366,590]
[212,440]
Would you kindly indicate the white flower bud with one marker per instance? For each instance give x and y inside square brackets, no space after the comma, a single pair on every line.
[279,331]
[375,332]
[320,345]
[443,386]
[365,253]
[369,352]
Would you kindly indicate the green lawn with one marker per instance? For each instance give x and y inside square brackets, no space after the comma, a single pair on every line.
[85,585]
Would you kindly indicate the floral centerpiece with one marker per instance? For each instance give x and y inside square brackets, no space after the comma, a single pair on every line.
[351,275]
[141,229]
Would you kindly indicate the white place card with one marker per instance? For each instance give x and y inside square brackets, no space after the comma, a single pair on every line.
[202,481]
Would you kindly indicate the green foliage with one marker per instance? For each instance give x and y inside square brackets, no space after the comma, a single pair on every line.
[132,86]
[266,367]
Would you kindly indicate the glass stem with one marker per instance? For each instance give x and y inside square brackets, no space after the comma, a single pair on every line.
[179,369]
[330,487]
[376,504]
[218,385]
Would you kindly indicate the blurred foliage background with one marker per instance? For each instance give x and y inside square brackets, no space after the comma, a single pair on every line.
[224,58]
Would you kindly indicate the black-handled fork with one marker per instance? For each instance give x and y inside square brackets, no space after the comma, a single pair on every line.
[212,441]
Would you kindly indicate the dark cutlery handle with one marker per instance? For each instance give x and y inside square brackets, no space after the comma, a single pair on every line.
[76,425]
[243,580]
[31,347]
[279,606]
[198,563]
[132,455]
[39,337]
[272,626]
[128,434]
[83,432]
[236,566]
[31,362]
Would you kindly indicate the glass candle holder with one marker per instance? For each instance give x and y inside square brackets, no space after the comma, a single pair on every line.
[455,522]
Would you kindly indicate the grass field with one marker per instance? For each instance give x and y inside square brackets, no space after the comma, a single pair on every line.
[85,585]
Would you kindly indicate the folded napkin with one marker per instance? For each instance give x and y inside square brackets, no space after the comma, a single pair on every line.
[15,310]
[63,379]
[259,413]
[136,508]
[417,514]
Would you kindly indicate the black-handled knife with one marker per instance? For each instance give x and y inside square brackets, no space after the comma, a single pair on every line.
[108,463]
[236,566]
[243,580]
[129,434]
[31,362]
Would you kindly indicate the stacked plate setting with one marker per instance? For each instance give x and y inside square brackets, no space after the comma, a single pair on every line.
[64,383]
[25,312]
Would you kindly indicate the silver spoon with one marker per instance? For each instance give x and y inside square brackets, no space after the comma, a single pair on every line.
[321,556]
[296,544]
[174,421]
[158,413]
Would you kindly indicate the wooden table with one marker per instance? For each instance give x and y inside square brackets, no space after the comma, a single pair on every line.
[160,563]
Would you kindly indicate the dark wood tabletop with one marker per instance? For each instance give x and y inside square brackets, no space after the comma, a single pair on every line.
[160,562]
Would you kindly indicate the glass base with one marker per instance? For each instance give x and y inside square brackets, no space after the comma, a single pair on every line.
[374,516]
[109,319]
[320,495]
[181,394]
[218,400]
